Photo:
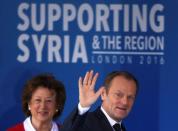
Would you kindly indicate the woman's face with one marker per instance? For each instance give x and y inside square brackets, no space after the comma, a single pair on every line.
[43,105]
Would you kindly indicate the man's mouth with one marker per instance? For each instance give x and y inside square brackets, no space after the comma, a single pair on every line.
[121,108]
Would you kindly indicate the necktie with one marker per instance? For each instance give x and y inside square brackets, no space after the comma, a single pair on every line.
[117,127]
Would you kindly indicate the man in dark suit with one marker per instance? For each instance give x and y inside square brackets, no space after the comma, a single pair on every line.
[118,96]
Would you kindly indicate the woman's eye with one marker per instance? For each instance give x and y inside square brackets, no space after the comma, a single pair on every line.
[49,100]
[37,100]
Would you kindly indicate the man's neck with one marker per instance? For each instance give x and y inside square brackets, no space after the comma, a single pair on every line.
[111,120]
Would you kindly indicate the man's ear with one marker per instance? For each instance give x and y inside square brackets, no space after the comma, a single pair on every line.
[103,94]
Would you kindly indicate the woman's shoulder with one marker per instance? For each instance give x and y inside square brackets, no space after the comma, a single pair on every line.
[17,127]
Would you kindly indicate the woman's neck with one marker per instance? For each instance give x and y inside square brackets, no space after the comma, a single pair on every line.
[41,126]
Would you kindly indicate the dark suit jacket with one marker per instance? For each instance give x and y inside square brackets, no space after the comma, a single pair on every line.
[90,121]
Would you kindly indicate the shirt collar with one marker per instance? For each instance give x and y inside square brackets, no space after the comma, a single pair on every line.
[29,127]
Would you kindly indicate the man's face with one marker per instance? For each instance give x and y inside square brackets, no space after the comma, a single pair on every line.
[120,97]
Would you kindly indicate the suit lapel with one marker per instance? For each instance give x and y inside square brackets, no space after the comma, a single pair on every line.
[103,120]
[123,127]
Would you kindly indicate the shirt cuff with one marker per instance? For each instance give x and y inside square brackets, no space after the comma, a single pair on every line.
[82,110]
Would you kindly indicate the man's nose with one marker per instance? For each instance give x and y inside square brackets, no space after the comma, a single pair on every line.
[124,100]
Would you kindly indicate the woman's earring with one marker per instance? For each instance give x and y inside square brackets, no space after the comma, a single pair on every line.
[29,108]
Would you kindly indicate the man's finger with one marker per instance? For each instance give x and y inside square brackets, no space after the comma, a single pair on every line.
[98,93]
[90,77]
[85,81]
[80,83]
[94,80]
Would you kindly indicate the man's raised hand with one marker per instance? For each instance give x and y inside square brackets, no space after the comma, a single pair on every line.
[87,94]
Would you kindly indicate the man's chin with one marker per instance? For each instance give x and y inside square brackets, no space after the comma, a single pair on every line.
[119,116]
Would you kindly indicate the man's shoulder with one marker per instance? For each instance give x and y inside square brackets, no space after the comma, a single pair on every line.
[96,114]
[17,127]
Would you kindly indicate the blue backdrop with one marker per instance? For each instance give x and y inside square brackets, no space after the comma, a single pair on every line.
[67,38]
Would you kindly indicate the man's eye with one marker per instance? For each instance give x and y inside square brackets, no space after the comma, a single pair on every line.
[131,97]
[118,95]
